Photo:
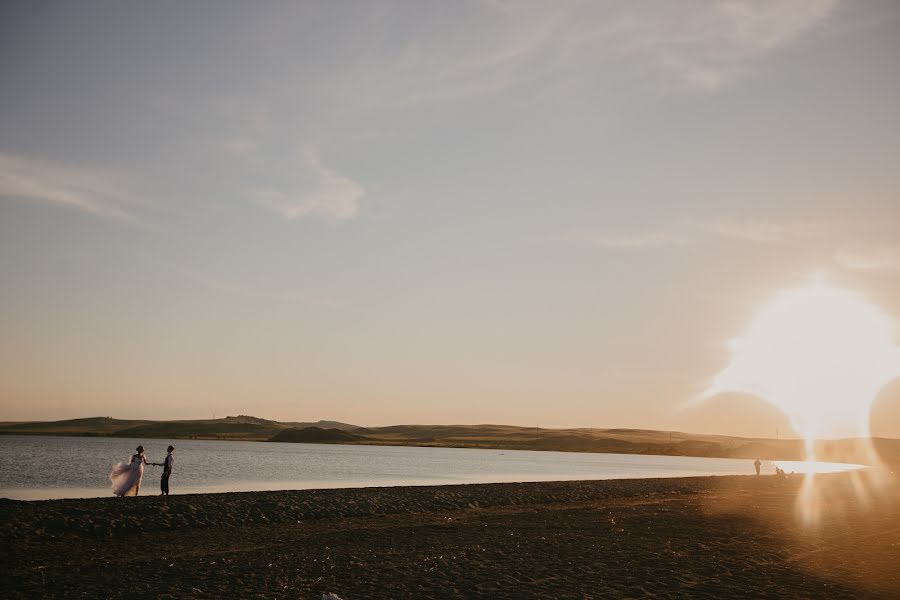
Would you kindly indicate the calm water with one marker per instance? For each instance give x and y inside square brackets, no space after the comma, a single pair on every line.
[43,467]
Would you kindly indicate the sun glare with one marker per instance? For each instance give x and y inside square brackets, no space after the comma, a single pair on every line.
[820,355]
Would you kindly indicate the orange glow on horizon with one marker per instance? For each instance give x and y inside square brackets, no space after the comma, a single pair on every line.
[820,355]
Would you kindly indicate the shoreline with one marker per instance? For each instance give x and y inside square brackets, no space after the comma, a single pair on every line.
[262,487]
[708,536]
[501,437]
[789,456]
[600,467]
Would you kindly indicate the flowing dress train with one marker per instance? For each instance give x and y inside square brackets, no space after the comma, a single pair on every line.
[126,478]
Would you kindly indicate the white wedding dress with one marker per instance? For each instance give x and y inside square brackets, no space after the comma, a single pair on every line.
[126,478]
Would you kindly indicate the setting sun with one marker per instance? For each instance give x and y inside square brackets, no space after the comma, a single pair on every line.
[820,355]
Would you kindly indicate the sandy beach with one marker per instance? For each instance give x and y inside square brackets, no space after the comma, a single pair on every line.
[708,537]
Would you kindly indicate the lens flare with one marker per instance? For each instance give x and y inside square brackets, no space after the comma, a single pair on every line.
[820,355]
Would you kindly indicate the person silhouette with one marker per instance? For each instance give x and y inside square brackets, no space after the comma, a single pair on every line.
[167,471]
[757,465]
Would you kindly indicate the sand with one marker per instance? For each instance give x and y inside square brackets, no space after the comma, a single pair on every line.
[708,537]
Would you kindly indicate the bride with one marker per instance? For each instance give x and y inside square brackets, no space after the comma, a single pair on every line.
[126,478]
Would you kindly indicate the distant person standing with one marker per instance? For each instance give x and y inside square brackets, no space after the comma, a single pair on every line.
[757,465]
[167,471]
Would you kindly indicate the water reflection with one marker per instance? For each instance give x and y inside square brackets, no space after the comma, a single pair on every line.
[30,467]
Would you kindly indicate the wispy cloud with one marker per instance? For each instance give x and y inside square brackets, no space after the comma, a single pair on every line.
[870,257]
[714,43]
[87,190]
[695,44]
[696,232]
[763,232]
[326,193]
[636,240]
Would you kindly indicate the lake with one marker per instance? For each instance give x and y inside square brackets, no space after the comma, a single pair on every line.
[46,467]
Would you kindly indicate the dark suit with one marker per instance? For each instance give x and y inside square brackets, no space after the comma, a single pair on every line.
[167,471]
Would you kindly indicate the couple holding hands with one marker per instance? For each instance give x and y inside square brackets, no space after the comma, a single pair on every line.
[126,478]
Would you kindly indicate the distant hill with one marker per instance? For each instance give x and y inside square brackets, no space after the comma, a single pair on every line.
[316,435]
[622,441]
[218,429]
[324,425]
[86,426]
[249,419]
[241,427]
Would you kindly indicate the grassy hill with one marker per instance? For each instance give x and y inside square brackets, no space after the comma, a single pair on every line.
[89,426]
[316,435]
[239,427]
[624,441]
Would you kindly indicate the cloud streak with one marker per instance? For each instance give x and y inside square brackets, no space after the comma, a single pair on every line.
[762,232]
[697,45]
[330,195]
[715,42]
[694,232]
[86,190]
[870,257]
[628,241]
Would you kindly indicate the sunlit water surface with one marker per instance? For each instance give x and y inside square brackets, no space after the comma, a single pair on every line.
[43,467]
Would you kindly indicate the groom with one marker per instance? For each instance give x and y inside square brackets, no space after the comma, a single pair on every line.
[167,470]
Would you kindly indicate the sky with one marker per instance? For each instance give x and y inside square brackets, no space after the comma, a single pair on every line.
[532,213]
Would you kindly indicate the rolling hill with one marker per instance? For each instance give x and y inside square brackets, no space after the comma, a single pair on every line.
[241,427]
[617,440]
[623,441]
[316,435]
